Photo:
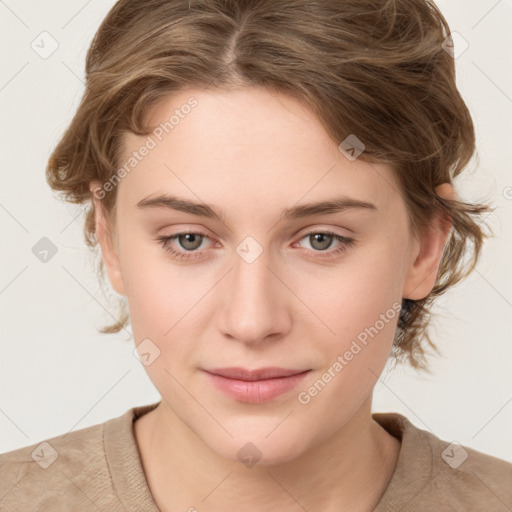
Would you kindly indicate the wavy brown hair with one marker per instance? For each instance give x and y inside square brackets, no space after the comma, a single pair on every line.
[374,68]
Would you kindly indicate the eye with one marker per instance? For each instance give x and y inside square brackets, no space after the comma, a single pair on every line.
[186,245]
[320,241]
[190,242]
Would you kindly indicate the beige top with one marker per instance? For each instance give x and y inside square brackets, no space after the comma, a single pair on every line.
[98,468]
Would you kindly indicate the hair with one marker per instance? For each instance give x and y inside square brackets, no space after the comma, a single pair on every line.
[375,69]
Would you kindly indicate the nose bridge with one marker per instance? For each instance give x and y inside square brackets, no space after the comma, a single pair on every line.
[254,307]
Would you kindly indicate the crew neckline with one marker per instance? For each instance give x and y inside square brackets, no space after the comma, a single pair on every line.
[131,486]
[124,460]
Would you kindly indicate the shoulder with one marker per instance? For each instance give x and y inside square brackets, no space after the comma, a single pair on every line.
[466,476]
[436,474]
[55,474]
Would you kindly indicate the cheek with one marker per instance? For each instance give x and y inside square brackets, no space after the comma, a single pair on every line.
[154,289]
[160,298]
[167,301]
[361,304]
[352,295]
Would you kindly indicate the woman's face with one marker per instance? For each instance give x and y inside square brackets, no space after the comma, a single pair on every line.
[259,284]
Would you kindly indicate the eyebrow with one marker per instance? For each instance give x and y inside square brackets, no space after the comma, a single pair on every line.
[335,205]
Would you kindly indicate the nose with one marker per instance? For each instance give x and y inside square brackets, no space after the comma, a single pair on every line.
[256,305]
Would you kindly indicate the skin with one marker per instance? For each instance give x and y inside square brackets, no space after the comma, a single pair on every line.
[251,154]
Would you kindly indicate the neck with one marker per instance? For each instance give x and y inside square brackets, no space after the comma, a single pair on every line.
[349,470]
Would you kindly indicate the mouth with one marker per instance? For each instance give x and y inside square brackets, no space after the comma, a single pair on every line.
[255,386]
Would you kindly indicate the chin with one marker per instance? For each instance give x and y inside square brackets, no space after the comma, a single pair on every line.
[255,446]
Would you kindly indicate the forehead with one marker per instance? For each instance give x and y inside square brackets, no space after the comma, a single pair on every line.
[245,149]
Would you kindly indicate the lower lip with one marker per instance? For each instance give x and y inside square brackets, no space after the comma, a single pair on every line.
[257,391]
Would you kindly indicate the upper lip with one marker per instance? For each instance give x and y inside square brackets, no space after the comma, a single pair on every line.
[257,374]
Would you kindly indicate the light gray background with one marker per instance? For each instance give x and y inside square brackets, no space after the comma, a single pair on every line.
[58,374]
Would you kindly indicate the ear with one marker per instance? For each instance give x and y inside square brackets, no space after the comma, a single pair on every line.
[107,244]
[428,251]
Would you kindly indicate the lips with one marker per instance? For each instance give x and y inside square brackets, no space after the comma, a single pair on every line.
[255,386]
[239,373]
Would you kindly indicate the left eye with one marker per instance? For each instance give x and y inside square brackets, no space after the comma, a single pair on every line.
[190,241]
[320,241]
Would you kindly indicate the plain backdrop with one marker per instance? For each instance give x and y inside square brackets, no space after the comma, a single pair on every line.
[59,374]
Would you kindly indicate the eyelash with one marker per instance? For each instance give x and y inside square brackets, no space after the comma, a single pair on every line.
[164,241]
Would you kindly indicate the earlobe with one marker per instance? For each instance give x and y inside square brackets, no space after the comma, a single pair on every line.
[108,251]
[428,251]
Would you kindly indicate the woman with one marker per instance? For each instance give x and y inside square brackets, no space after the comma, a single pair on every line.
[271,186]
